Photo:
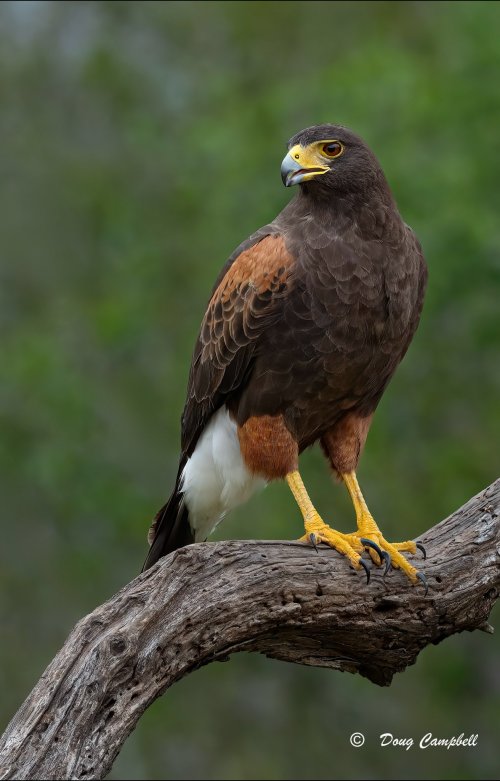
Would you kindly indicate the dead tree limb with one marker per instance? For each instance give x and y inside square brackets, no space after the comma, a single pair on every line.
[281,599]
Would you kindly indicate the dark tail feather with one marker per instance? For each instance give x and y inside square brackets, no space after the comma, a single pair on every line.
[170,529]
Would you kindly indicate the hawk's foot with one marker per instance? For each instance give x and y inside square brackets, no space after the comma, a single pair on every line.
[391,552]
[368,533]
[318,531]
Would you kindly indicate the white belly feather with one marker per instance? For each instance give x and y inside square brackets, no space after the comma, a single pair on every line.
[215,478]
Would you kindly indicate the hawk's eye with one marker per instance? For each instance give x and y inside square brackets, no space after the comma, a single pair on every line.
[332,149]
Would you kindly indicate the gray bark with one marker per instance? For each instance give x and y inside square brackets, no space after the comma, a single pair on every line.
[205,602]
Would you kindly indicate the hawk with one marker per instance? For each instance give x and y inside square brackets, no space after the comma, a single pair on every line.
[305,326]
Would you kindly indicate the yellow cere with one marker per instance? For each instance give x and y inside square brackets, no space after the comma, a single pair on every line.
[313,158]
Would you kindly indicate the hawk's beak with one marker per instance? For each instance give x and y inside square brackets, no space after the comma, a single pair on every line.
[300,165]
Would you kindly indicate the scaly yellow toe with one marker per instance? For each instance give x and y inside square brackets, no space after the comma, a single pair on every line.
[343,543]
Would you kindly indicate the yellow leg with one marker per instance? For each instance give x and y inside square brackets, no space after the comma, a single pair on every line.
[317,530]
[368,529]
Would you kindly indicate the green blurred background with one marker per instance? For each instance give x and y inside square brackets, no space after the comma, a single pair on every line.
[140,143]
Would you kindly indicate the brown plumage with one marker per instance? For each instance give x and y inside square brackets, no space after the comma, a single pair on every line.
[306,324]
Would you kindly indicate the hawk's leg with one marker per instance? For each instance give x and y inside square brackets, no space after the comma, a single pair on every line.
[368,529]
[318,531]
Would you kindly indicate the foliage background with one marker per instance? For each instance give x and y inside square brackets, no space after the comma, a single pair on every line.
[140,143]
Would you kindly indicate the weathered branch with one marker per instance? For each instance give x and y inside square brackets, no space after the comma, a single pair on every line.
[205,602]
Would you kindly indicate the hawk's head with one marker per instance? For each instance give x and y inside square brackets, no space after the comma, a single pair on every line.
[331,157]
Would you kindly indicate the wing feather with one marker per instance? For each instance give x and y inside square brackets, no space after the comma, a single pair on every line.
[246,302]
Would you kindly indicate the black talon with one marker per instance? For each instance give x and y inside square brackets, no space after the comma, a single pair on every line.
[312,540]
[387,560]
[423,579]
[421,547]
[370,544]
[384,556]
[366,569]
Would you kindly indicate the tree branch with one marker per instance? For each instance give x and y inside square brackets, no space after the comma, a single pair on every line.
[205,602]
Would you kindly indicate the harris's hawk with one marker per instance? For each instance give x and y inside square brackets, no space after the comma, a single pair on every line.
[305,326]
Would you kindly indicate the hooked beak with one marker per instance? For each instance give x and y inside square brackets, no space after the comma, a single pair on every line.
[300,165]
